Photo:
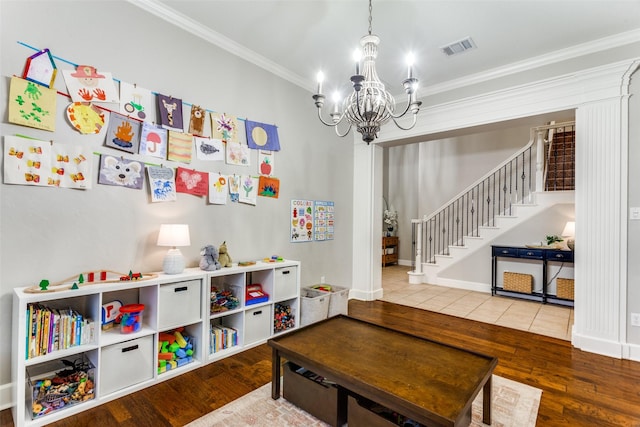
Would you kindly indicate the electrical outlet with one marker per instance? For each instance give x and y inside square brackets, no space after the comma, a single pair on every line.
[321,279]
[635,319]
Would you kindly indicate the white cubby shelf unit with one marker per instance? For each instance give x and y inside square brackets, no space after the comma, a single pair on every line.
[126,362]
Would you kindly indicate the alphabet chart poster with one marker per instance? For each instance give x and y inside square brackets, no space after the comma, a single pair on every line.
[301,221]
[324,220]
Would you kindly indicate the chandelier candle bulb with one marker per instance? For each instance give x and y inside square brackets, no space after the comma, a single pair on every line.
[320,79]
[410,66]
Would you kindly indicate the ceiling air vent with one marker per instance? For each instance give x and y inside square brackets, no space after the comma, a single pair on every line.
[459,47]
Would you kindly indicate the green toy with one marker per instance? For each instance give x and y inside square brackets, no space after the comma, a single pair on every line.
[44,284]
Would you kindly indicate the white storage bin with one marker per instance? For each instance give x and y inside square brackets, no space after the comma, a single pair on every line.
[314,306]
[179,304]
[125,364]
[339,302]
[286,283]
[257,324]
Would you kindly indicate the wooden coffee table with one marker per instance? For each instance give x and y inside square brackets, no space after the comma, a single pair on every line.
[429,382]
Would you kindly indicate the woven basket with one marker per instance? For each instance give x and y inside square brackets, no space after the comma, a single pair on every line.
[517,282]
[564,288]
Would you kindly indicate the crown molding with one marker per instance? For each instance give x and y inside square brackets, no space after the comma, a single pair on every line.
[197,29]
[172,16]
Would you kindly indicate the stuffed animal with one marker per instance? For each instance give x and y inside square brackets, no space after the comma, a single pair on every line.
[209,260]
[225,258]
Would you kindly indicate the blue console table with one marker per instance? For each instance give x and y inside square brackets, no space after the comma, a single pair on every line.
[543,256]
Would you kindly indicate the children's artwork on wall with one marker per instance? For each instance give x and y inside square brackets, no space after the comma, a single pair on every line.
[41,69]
[301,220]
[234,187]
[262,136]
[162,184]
[170,110]
[224,127]
[196,123]
[324,220]
[123,133]
[121,172]
[269,187]
[33,162]
[180,147]
[248,189]
[192,182]
[153,141]
[86,84]
[265,162]
[85,117]
[237,154]
[31,104]
[209,148]
[217,189]
[137,102]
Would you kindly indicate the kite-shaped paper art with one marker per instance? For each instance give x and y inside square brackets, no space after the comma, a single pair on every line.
[224,127]
[248,189]
[123,133]
[86,84]
[209,148]
[162,183]
[269,187]
[40,68]
[32,105]
[121,172]
[85,117]
[137,102]
[153,141]
[170,110]
[217,189]
[196,123]
[180,147]
[192,182]
[237,154]
[262,136]
[265,162]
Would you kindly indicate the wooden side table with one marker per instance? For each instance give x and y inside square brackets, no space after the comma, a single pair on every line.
[390,243]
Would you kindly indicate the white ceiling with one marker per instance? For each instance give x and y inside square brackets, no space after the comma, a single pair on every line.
[296,38]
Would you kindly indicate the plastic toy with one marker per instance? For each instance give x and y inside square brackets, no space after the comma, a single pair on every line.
[209,258]
[224,257]
[255,294]
[106,276]
[274,258]
[131,320]
[176,353]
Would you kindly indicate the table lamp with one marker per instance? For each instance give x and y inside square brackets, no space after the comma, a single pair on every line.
[173,235]
[570,232]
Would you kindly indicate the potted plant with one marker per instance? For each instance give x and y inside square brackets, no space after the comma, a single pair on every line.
[553,240]
[390,221]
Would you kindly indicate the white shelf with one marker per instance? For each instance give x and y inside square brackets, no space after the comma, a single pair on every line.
[171,301]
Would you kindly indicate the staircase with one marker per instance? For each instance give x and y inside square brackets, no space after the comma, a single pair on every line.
[498,202]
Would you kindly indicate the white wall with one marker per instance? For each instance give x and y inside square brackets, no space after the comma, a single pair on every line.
[56,233]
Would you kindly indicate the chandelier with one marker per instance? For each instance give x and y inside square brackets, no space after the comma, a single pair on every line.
[370,105]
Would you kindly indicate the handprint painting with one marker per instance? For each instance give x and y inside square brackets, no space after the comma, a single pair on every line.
[85,84]
[31,104]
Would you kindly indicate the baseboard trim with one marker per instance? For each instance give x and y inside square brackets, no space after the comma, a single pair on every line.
[6,396]
[365,295]
[598,346]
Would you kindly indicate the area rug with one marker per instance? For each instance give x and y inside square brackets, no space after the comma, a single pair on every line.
[513,405]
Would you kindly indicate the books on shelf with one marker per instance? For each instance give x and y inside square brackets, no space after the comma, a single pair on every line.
[51,329]
[222,338]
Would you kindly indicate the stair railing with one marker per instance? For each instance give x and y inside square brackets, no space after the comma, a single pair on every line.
[512,181]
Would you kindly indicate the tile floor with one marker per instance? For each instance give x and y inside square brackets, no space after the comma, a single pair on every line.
[544,319]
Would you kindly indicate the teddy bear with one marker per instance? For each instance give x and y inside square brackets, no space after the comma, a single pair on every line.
[225,258]
[209,258]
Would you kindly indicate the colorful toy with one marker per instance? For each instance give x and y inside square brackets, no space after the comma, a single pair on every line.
[106,276]
[224,257]
[209,258]
[283,318]
[274,258]
[223,300]
[175,349]
[255,294]
[131,320]
[110,314]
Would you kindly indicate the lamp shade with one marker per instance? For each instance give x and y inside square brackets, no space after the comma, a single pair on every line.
[569,229]
[174,235]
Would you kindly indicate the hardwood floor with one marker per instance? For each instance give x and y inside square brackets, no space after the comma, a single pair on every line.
[579,389]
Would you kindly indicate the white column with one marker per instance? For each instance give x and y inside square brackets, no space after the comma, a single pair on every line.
[367,221]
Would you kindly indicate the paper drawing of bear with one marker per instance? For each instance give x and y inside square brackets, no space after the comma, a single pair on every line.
[121,172]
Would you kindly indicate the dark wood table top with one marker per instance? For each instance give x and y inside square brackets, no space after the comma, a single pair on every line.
[425,380]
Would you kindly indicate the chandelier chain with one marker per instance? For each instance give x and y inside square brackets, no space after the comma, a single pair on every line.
[370,14]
